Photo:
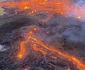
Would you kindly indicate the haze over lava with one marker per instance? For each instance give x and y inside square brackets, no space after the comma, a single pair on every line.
[57,33]
[64,7]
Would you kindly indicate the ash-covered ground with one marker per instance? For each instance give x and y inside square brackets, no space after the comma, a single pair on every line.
[64,33]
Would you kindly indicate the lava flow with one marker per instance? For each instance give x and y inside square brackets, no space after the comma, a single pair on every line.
[22,52]
[51,6]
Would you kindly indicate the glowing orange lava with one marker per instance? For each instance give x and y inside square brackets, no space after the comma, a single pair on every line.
[73,59]
[45,47]
[56,6]
[59,6]
[38,49]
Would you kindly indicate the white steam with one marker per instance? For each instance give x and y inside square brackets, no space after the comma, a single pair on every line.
[2,48]
[78,10]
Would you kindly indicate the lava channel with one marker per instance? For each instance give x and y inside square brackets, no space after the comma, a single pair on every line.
[80,65]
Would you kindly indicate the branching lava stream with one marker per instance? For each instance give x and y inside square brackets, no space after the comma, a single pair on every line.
[80,65]
[57,6]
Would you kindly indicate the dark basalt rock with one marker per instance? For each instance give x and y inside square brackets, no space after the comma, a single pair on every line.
[10,36]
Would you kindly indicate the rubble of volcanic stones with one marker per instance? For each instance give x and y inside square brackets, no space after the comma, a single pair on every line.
[35,60]
[38,61]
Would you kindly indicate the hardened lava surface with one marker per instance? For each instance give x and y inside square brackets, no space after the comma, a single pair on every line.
[34,60]
[42,35]
[37,56]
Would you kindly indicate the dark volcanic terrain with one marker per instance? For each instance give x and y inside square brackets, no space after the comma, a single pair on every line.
[57,31]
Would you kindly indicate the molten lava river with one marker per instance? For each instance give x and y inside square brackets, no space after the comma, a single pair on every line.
[42,35]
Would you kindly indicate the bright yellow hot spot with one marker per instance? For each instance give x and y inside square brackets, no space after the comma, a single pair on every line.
[79,17]
[20,56]
[26,7]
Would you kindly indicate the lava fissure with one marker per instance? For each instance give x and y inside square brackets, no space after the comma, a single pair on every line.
[73,59]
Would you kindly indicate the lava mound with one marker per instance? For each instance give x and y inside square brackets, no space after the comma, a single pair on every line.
[29,53]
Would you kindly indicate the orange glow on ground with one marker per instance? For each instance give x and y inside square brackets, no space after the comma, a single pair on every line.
[80,65]
[26,69]
[68,69]
[35,29]
[79,17]
[43,49]
[26,7]
[53,57]
[38,49]
[73,59]
[39,5]
[56,6]
[22,50]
